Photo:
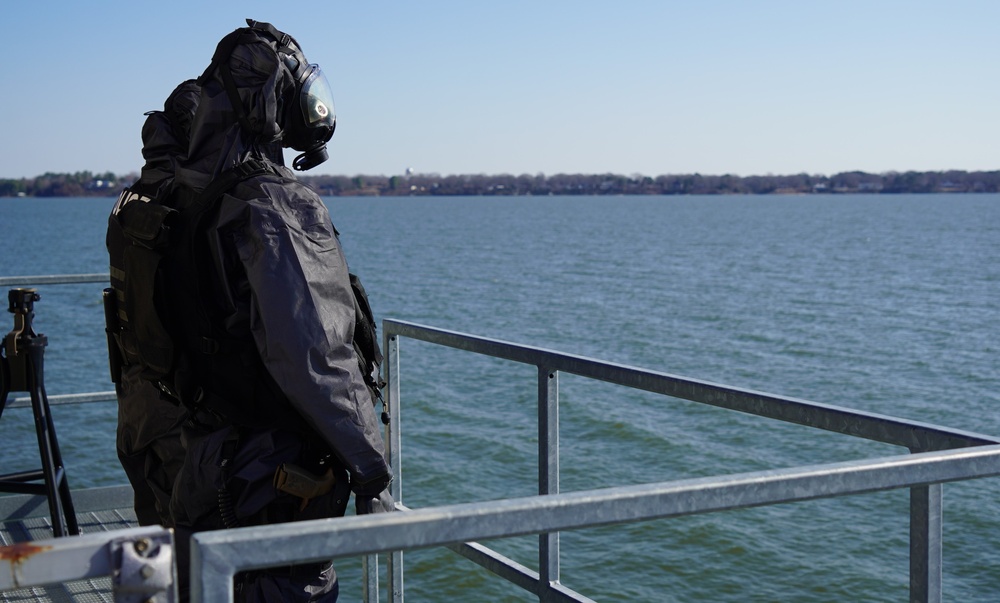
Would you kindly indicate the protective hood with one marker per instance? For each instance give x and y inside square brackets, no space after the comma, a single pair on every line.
[251,66]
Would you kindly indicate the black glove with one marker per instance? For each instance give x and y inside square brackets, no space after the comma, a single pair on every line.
[373,496]
[383,503]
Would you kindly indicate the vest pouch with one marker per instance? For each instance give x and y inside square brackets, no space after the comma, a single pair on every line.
[147,224]
[146,227]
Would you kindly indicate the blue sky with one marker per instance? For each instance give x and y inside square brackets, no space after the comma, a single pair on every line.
[465,87]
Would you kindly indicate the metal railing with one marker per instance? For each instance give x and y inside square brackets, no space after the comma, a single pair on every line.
[932,462]
[937,455]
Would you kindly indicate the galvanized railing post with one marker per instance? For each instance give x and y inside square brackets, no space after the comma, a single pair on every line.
[369,588]
[548,473]
[925,544]
[394,442]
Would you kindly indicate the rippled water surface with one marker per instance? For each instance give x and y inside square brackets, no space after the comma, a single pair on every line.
[888,304]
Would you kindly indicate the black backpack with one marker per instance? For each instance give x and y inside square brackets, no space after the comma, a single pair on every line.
[168,334]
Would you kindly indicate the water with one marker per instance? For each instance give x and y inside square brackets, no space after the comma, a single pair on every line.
[886,304]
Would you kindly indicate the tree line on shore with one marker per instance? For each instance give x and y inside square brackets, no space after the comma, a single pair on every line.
[87,184]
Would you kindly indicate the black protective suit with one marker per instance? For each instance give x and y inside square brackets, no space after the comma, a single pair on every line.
[278,285]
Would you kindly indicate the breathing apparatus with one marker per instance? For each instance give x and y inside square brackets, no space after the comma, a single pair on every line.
[308,120]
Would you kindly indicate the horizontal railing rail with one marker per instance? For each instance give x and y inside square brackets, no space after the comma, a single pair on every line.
[53,279]
[57,399]
[914,435]
[140,562]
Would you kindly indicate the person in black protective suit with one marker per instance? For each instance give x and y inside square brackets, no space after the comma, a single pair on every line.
[280,386]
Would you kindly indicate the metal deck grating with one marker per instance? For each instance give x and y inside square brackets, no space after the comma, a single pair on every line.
[24,518]
[83,591]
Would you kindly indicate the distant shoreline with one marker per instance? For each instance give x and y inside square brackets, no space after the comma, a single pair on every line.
[86,184]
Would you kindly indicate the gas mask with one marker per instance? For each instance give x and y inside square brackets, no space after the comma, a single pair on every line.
[310,120]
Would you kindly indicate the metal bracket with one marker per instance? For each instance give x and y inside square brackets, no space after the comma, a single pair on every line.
[144,569]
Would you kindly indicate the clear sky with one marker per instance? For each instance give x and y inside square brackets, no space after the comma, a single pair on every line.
[468,87]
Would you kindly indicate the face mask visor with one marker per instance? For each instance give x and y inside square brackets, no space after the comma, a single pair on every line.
[316,98]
